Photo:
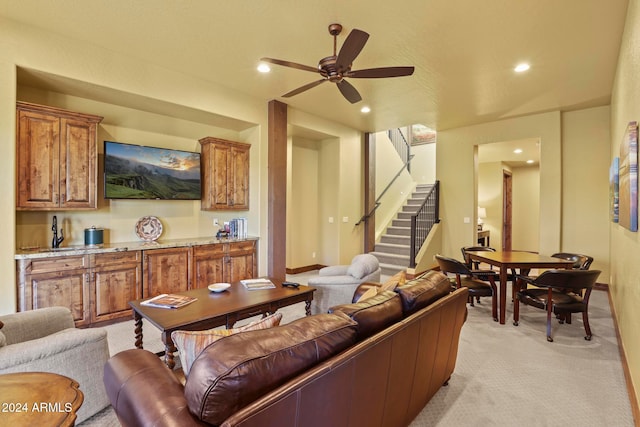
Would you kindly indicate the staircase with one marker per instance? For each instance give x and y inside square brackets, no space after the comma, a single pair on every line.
[394,247]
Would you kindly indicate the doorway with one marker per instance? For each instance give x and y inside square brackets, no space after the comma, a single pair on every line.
[507,209]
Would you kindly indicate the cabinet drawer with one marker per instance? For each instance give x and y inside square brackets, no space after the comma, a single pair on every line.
[209,250]
[53,264]
[242,247]
[115,259]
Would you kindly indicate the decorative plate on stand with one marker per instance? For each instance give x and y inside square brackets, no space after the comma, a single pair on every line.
[149,228]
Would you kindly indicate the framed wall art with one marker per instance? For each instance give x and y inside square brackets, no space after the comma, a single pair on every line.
[628,178]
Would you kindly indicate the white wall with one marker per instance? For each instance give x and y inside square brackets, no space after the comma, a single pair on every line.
[423,165]
[625,245]
[525,233]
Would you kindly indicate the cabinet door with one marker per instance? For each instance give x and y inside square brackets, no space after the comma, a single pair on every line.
[38,158]
[116,280]
[166,271]
[239,198]
[78,174]
[242,261]
[66,288]
[208,265]
[221,172]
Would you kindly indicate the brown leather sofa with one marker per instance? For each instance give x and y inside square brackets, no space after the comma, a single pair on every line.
[371,363]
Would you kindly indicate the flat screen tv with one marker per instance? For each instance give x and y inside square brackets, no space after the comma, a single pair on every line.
[140,172]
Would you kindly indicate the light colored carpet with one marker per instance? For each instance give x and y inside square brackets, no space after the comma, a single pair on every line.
[505,375]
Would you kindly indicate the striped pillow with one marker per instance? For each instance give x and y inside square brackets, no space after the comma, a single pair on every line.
[191,343]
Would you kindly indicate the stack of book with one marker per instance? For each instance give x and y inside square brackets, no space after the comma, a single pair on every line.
[237,228]
[255,284]
[168,301]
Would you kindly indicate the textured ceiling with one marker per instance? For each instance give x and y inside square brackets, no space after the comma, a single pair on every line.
[464,51]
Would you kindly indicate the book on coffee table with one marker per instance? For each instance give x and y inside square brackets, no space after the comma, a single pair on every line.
[168,301]
[255,284]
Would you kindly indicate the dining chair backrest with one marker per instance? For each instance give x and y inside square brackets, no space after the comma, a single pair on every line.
[453,266]
[467,259]
[574,280]
[580,262]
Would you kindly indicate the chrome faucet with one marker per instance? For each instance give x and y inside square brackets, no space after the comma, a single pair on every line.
[55,243]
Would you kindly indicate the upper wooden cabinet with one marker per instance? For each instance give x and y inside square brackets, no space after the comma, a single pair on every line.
[56,158]
[225,174]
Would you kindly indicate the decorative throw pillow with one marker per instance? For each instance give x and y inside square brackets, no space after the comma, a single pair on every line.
[3,338]
[371,292]
[191,343]
[396,280]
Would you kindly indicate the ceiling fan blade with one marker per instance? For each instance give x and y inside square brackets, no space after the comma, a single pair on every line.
[351,48]
[303,88]
[290,64]
[374,73]
[349,92]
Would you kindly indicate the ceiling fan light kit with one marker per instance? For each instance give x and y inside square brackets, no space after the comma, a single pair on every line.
[337,67]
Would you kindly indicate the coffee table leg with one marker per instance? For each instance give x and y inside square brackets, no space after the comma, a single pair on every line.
[169,349]
[307,307]
[138,328]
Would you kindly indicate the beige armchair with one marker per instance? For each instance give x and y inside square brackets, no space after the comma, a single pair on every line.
[336,284]
[46,340]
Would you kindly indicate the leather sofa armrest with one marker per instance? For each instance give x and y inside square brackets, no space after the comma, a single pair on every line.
[143,391]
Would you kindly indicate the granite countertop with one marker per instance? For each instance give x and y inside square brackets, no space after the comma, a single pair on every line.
[27,253]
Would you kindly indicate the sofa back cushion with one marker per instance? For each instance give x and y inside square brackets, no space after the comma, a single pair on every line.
[373,314]
[191,343]
[418,293]
[233,372]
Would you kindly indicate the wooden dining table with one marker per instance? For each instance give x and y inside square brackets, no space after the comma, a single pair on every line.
[520,260]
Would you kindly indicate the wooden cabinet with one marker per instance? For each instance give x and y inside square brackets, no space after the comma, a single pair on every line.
[224,262]
[166,271]
[97,287]
[56,158]
[115,280]
[225,174]
[55,281]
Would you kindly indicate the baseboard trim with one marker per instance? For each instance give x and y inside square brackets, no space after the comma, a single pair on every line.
[304,269]
[633,400]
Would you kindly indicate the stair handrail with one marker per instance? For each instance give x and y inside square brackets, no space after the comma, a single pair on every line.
[377,203]
[422,221]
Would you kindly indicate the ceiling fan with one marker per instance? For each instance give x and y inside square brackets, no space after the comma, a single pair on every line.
[337,67]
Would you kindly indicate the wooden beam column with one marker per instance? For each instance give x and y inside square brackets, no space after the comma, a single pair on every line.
[277,193]
[369,191]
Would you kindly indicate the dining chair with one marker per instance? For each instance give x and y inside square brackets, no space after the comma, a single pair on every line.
[468,261]
[580,262]
[558,292]
[481,283]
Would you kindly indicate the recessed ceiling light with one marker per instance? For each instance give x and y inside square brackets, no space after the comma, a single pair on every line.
[518,150]
[365,109]
[264,68]
[529,161]
[521,67]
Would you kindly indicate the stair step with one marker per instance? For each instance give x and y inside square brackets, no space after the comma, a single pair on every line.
[396,239]
[398,231]
[391,269]
[394,259]
[401,222]
[392,249]
[410,208]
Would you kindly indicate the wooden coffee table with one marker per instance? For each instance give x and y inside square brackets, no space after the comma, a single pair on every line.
[213,309]
[38,399]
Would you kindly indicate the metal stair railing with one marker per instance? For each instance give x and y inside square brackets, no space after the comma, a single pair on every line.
[423,220]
